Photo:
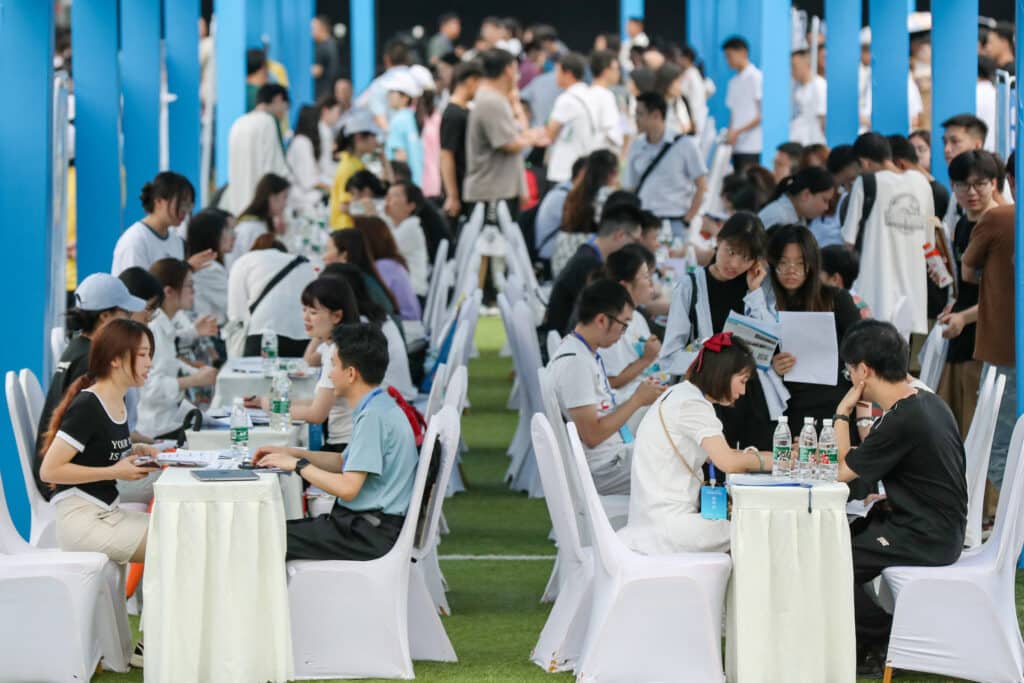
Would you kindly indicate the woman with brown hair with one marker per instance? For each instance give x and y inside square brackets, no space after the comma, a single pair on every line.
[349,246]
[583,206]
[89,448]
[391,265]
[265,214]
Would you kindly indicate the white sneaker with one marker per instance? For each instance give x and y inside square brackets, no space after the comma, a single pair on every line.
[137,660]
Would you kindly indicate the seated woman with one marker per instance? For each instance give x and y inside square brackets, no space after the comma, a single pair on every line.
[327,302]
[391,265]
[304,156]
[211,229]
[349,246]
[583,207]
[160,403]
[796,284]
[679,433]
[356,140]
[265,214]
[88,447]
[366,195]
[799,198]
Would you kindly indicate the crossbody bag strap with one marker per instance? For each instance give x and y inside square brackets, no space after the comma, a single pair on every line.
[292,265]
[654,162]
[675,449]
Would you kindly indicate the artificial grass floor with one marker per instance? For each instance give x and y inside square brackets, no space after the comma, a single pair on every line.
[496,616]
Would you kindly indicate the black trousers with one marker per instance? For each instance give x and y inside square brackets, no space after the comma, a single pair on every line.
[741,161]
[877,546]
[343,535]
[286,346]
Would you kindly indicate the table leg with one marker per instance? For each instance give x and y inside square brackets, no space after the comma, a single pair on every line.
[888,675]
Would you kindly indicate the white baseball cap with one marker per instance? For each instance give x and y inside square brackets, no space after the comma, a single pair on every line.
[101,291]
[403,82]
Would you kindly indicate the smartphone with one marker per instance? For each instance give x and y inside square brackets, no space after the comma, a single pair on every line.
[147,461]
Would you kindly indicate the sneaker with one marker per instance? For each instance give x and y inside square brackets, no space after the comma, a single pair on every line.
[137,660]
[871,664]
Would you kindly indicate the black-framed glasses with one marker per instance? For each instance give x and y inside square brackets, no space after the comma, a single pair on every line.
[624,325]
[978,186]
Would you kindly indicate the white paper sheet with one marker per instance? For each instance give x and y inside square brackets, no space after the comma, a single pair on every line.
[811,338]
[760,335]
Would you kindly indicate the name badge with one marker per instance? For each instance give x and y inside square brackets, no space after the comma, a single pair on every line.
[713,502]
[626,433]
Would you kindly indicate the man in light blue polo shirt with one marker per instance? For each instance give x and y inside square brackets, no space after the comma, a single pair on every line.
[668,174]
[373,479]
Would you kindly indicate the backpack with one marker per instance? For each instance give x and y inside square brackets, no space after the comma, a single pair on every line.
[870,186]
[416,421]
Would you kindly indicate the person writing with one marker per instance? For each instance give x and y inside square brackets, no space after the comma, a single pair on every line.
[800,198]
[584,392]
[677,436]
[915,449]
[373,479]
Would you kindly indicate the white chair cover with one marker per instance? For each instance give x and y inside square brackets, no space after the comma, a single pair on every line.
[527,356]
[961,620]
[434,291]
[396,619]
[44,518]
[520,445]
[561,640]
[34,397]
[933,357]
[553,340]
[398,374]
[635,632]
[978,447]
[718,169]
[58,342]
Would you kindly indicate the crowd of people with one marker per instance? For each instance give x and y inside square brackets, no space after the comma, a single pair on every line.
[599,159]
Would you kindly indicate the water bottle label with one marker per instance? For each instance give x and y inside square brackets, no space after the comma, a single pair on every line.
[269,352]
[830,456]
[806,454]
[280,406]
[239,434]
[781,453]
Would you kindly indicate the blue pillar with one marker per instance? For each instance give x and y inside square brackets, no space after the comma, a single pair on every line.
[26,198]
[629,9]
[297,51]
[954,55]
[182,51]
[707,27]
[890,66]
[97,125]
[254,23]
[363,31]
[140,80]
[775,67]
[1019,219]
[843,19]
[229,49]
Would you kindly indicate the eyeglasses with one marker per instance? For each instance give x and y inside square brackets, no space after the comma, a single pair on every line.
[978,186]
[783,267]
[624,325]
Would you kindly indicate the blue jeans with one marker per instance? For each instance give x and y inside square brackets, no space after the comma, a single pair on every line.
[1005,422]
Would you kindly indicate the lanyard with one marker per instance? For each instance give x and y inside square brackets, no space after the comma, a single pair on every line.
[369,397]
[600,362]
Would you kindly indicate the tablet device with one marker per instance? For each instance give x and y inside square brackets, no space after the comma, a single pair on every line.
[225,475]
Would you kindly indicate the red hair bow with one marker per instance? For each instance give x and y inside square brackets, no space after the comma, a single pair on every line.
[714,343]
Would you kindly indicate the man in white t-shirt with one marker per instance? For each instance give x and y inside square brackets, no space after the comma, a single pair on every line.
[584,393]
[255,147]
[604,66]
[810,100]
[571,126]
[743,98]
[893,278]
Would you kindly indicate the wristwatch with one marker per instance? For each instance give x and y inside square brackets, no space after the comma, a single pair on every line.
[300,464]
[838,416]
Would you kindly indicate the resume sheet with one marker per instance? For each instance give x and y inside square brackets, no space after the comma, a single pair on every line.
[811,339]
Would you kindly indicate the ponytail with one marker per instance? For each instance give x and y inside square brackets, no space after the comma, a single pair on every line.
[77,387]
[811,178]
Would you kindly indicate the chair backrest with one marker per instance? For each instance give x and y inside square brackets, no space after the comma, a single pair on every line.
[22,435]
[58,342]
[440,309]
[470,314]
[528,362]
[398,374]
[446,427]
[436,280]
[514,287]
[553,340]
[553,413]
[455,389]
[466,245]
[606,544]
[978,448]
[457,354]
[34,398]
[11,542]
[435,398]
[716,174]
[707,138]
[1004,545]
[933,357]
[557,495]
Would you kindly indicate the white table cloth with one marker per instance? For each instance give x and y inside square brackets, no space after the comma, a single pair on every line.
[790,602]
[244,377]
[215,586]
[220,439]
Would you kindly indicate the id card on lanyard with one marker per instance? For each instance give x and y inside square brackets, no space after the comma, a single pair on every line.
[624,431]
[714,501]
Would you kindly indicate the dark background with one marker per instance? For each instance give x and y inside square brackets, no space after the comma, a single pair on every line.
[577,21]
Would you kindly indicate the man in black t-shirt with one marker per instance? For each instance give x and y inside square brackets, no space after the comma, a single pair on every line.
[620,225]
[454,122]
[915,449]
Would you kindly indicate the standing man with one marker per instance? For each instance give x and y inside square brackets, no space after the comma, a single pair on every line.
[454,122]
[635,38]
[666,172]
[326,66]
[743,98]
[443,42]
[999,46]
[604,66]
[810,100]
[255,148]
[494,136]
[572,126]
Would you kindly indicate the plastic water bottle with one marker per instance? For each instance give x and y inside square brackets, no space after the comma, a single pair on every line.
[240,433]
[828,453]
[808,453]
[280,405]
[782,449]
[268,350]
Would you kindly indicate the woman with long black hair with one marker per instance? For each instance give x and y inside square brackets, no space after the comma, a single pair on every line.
[800,198]
[265,214]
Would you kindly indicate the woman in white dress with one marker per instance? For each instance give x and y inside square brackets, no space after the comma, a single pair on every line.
[677,436]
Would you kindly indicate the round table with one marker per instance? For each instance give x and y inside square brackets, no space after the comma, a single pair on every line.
[790,602]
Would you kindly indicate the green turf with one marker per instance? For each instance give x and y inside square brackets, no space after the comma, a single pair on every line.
[496,614]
